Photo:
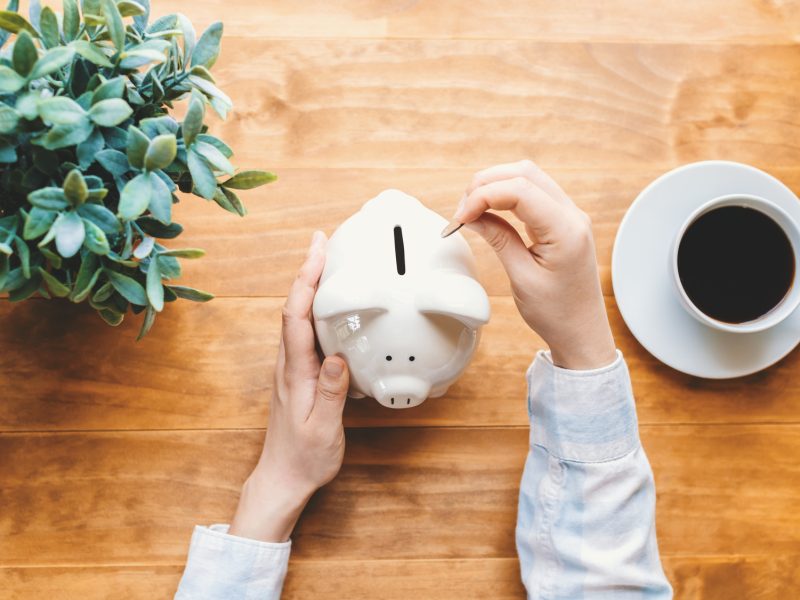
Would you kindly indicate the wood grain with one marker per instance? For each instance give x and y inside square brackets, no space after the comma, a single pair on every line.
[722,578]
[132,497]
[210,366]
[260,255]
[91,583]
[448,579]
[692,577]
[111,451]
[581,20]
[471,103]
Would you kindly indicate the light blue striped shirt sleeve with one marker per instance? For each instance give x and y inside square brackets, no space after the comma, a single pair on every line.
[586,523]
[586,520]
[222,566]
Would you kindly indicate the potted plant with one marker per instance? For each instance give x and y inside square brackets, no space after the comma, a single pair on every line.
[91,160]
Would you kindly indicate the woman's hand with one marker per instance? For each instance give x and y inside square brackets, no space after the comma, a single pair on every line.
[554,280]
[304,445]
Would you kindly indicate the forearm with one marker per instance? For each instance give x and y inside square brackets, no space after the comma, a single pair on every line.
[269,507]
[581,338]
[586,525]
[249,559]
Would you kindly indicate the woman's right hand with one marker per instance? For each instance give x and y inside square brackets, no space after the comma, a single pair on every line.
[554,280]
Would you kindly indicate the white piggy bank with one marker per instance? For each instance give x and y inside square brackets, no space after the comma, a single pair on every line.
[400,304]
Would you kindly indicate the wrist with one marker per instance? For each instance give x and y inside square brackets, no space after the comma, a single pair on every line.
[588,348]
[583,360]
[269,508]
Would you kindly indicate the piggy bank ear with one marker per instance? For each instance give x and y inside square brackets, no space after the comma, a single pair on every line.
[341,295]
[456,296]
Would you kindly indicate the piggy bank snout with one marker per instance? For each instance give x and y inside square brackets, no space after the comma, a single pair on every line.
[400,391]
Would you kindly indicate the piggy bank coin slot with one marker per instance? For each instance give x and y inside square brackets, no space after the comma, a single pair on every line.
[399,250]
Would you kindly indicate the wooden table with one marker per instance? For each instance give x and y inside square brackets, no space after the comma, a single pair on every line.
[110,451]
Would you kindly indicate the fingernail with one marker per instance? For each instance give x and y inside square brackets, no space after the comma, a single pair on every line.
[460,207]
[332,369]
[451,228]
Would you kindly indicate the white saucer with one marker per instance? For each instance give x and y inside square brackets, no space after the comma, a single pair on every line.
[645,293]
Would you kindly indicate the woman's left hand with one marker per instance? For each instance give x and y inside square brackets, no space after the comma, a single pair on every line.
[304,444]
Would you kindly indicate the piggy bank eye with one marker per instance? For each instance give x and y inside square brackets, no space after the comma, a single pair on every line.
[411,358]
[388,357]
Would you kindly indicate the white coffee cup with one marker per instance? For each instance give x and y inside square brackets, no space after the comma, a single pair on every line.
[792,298]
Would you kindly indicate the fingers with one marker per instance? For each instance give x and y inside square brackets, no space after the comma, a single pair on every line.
[332,385]
[298,333]
[531,204]
[507,243]
[522,168]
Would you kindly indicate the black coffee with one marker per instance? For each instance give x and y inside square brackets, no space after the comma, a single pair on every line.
[735,263]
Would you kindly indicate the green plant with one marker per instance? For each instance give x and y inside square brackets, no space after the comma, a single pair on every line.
[91,160]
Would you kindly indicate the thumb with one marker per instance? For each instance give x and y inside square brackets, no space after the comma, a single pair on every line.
[332,385]
[507,243]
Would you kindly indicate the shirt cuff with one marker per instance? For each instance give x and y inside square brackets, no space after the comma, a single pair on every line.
[582,416]
[223,566]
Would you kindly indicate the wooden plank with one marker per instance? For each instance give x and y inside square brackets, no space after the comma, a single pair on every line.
[695,578]
[471,103]
[723,578]
[210,366]
[109,498]
[260,254]
[151,582]
[450,579]
[580,20]
[69,370]
[207,366]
